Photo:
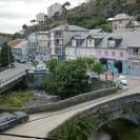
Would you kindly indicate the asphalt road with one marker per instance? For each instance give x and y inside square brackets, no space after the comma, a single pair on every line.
[11,72]
[41,124]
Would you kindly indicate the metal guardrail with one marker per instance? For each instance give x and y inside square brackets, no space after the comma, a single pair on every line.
[10,79]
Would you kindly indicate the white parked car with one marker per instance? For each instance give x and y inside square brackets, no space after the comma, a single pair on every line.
[122,80]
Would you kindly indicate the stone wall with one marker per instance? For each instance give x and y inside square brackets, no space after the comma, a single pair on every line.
[125,107]
[66,103]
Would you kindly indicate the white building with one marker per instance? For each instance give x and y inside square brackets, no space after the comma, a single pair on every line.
[56,7]
[61,37]
[41,18]
[33,44]
[123,22]
[20,50]
[39,48]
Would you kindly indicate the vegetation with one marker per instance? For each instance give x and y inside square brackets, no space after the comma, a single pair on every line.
[16,99]
[68,78]
[6,56]
[98,68]
[92,14]
[80,128]
[131,134]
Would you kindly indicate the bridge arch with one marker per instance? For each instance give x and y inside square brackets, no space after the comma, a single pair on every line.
[115,128]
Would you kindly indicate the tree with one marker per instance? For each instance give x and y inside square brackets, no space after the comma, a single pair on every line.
[6,56]
[64,10]
[80,128]
[52,64]
[98,68]
[69,79]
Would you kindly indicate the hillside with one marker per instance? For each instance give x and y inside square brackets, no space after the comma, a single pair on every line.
[92,14]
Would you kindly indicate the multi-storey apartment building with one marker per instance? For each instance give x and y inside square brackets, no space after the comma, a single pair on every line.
[54,8]
[40,18]
[60,37]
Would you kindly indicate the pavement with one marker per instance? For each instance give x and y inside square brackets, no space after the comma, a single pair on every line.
[39,125]
[10,73]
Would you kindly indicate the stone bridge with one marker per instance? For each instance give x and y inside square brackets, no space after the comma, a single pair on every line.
[127,108]
[12,76]
[107,108]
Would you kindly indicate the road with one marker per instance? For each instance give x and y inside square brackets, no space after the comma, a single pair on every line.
[12,72]
[41,124]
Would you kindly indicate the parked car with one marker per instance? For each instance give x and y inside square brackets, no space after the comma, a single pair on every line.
[122,80]
[8,120]
[12,65]
[23,61]
[94,76]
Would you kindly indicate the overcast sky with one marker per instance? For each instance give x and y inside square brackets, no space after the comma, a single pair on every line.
[15,13]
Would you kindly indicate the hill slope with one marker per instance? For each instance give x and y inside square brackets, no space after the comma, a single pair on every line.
[92,14]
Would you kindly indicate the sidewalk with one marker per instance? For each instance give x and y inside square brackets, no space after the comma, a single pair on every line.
[133,77]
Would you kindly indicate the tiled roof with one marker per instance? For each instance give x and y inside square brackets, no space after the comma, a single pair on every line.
[21,44]
[13,43]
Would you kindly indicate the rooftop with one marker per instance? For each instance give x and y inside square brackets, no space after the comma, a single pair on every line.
[67,27]
[121,16]
[15,42]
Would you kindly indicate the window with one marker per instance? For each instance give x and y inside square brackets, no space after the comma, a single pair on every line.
[74,43]
[113,53]
[112,43]
[120,21]
[79,42]
[99,53]
[130,51]
[90,42]
[58,34]
[106,53]
[135,51]
[121,54]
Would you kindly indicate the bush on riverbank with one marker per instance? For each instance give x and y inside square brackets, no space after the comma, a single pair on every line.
[80,128]
[16,99]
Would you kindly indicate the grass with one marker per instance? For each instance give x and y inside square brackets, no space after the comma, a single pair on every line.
[16,99]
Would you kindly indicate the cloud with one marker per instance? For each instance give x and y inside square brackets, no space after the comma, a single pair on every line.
[15,13]
[27,1]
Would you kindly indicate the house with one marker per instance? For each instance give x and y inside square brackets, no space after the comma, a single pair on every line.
[19,49]
[33,45]
[43,45]
[83,45]
[61,36]
[55,8]
[123,22]
[40,18]
[118,51]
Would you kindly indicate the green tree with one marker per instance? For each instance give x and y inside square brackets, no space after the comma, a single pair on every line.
[6,56]
[69,78]
[98,68]
[79,129]
[52,64]
[64,10]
